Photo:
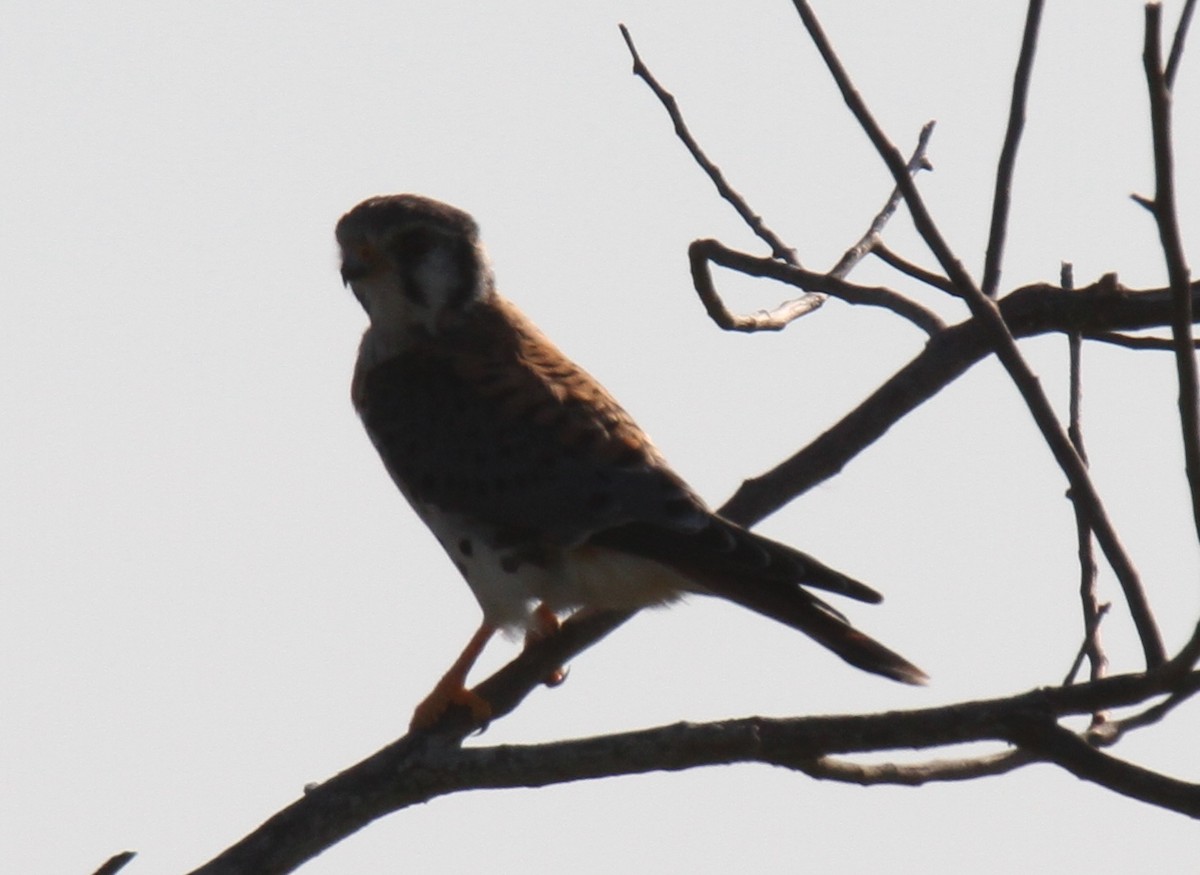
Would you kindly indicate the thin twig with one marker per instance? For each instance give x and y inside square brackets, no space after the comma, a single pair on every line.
[1154,713]
[1092,612]
[1181,29]
[779,249]
[1008,153]
[886,255]
[1167,219]
[1081,654]
[917,161]
[985,309]
[1162,344]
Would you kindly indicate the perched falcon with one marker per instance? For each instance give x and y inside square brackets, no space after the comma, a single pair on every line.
[541,488]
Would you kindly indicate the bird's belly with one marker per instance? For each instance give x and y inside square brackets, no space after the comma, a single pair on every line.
[510,580]
[597,577]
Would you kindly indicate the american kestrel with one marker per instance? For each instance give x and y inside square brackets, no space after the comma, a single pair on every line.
[543,491]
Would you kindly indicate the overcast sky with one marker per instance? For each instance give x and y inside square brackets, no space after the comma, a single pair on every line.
[212,593]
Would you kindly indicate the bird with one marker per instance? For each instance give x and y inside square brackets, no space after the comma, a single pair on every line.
[543,491]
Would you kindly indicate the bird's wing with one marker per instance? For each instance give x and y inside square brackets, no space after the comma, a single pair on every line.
[490,420]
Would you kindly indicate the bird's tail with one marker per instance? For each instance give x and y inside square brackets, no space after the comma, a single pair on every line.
[802,610]
[725,560]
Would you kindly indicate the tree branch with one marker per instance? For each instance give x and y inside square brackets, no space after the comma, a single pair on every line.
[788,311]
[115,863]
[1004,345]
[753,221]
[906,267]
[1185,19]
[1064,748]
[1092,612]
[1167,219]
[421,767]
[871,239]
[917,774]
[701,252]
[1162,344]
[1008,153]
[1033,310]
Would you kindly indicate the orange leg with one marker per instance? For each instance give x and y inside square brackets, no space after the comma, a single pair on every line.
[545,624]
[452,688]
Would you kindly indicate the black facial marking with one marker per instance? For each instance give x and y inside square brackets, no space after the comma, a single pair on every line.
[466,547]
[414,244]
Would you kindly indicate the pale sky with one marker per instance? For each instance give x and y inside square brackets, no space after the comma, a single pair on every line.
[212,593]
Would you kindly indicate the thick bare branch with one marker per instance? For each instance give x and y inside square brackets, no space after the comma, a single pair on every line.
[1038,309]
[418,768]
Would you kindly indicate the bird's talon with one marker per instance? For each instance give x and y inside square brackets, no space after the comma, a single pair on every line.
[442,699]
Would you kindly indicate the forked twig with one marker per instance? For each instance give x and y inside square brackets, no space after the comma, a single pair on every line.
[871,239]
[790,310]
[702,252]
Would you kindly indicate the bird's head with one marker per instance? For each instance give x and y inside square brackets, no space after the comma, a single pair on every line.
[411,261]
